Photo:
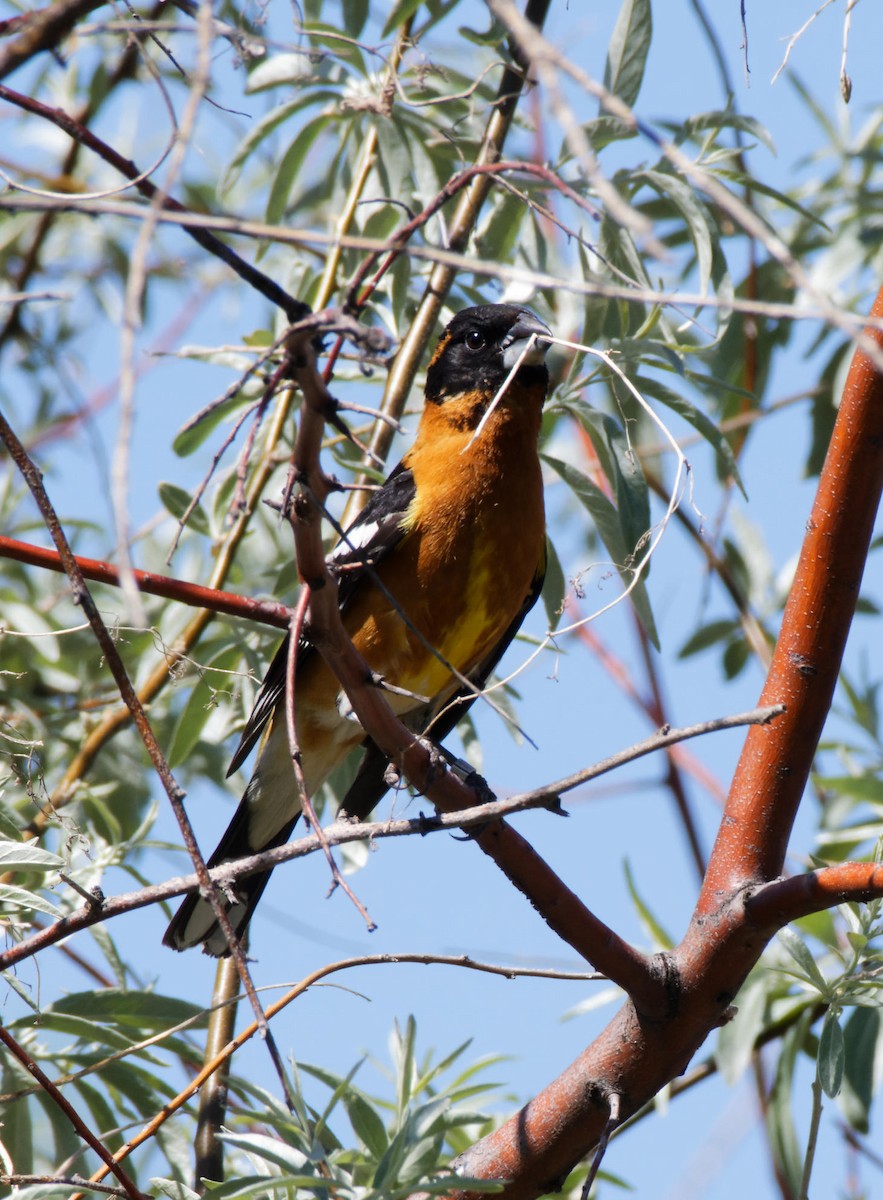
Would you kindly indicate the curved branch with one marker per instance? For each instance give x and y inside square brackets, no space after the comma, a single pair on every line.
[776,904]
[635,1055]
[775,762]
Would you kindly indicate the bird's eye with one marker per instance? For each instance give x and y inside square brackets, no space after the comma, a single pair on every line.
[475,339]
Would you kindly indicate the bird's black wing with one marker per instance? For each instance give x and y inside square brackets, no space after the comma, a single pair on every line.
[369,786]
[374,534]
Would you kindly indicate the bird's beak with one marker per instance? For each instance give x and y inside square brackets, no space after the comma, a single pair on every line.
[526,342]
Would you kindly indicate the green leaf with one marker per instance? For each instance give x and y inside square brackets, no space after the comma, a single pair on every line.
[779,1115]
[628,49]
[176,501]
[144,1011]
[802,955]
[27,856]
[737,1039]
[355,14]
[718,119]
[289,167]
[367,1123]
[18,1132]
[831,1054]
[707,635]
[173,1189]
[402,10]
[194,432]
[662,940]
[621,466]
[394,162]
[696,216]
[609,527]
[21,899]
[700,422]
[267,125]
[554,586]
[862,1049]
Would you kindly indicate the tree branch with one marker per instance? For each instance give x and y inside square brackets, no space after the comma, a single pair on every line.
[268,612]
[635,1055]
[781,901]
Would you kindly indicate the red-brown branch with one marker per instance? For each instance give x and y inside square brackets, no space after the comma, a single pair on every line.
[268,612]
[776,760]
[636,1055]
[776,904]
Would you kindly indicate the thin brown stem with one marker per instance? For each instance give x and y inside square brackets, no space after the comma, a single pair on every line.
[81,1128]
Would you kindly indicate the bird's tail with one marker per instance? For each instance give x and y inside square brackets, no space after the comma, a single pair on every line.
[195,921]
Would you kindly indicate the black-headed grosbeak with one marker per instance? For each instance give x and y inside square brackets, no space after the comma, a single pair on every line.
[457,536]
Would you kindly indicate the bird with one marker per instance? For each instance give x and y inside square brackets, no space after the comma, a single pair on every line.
[438,571]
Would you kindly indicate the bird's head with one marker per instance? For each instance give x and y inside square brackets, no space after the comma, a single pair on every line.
[480,347]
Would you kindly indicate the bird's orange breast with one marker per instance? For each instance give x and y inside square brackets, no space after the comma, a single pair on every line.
[474,538]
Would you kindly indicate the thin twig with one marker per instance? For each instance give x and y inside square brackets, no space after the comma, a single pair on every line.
[83,597]
[850,322]
[368,960]
[82,1130]
[341,832]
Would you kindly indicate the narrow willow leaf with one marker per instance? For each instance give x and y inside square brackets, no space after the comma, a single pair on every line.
[27,856]
[176,500]
[662,939]
[802,955]
[289,167]
[831,1054]
[201,704]
[553,586]
[628,49]
[862,1050]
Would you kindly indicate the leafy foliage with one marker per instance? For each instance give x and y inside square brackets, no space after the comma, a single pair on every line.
[357,121]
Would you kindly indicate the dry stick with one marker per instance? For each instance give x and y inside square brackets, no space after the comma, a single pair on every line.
[83,1130]
[500,272]
[634,1057]
[341,832]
